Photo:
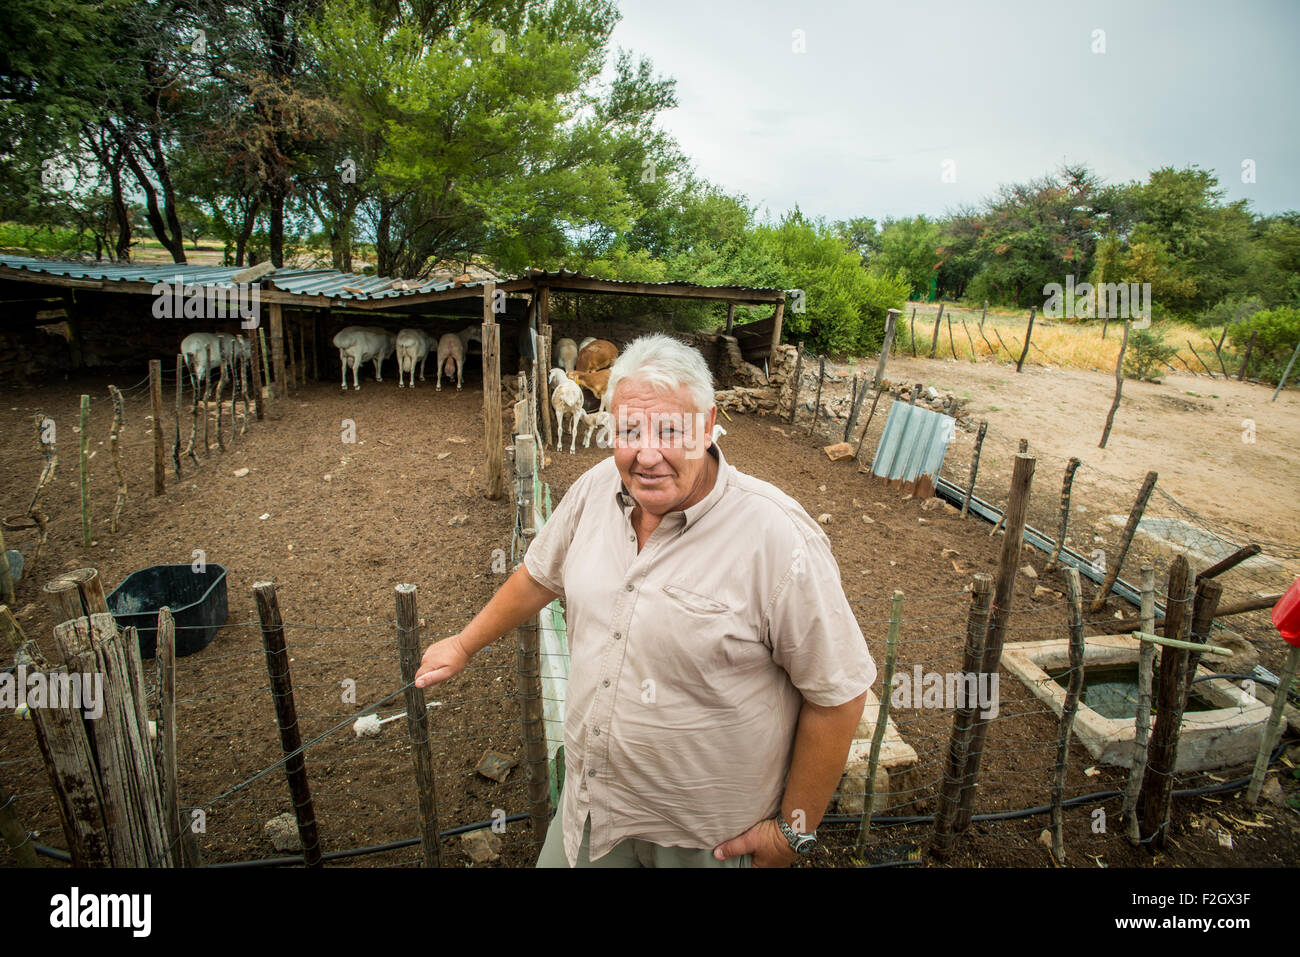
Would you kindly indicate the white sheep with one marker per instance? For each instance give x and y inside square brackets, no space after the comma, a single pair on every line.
[566,355]
[566,396]
[601,423]
[412,347]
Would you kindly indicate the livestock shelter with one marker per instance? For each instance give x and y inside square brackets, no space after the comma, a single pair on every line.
[117,315]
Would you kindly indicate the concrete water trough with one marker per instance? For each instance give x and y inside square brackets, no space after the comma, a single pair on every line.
[1221,727]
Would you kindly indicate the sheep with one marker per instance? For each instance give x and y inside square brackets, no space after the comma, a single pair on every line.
[566,354]
[451,358]
[360,344]
[602,423]
[566,396]
[596,355]
[412,347]
[221,346]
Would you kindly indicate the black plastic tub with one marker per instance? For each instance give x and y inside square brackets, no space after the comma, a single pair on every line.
[197,601]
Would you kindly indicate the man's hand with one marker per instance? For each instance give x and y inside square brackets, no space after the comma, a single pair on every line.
[765,841]
[442,660]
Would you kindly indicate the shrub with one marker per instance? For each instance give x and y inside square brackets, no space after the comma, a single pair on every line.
[1147,354]
[1276,333]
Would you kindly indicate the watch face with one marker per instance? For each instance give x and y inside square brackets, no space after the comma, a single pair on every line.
[805,845]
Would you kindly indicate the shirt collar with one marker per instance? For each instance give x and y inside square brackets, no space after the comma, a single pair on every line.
[692,514]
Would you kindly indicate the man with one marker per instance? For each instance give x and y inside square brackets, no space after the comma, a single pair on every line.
[717,672]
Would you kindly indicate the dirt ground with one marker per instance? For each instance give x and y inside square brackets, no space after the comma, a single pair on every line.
[336,524]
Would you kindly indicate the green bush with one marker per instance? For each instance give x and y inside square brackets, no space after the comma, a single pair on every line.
[1276,333]
[1147,354]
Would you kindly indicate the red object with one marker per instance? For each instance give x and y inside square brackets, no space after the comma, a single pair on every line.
[1286,615]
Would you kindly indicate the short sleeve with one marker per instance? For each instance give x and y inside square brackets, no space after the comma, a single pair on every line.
[813,632]
[545,556]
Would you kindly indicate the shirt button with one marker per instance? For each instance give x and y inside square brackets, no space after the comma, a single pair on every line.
[605,682]
[591,773]
[596,732]
[617,635]
[631,538]
[628,586]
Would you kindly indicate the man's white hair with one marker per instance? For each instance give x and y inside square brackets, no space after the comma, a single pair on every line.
[665,363]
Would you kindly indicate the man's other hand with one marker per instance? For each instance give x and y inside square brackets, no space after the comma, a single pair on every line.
[442,660]
[765,841]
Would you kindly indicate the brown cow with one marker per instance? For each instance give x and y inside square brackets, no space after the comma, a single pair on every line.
[594,382]
[596,355]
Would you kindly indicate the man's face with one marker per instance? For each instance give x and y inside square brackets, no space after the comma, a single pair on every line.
[660,445]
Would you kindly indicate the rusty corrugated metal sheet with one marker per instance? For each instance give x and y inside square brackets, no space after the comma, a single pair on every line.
[913,443]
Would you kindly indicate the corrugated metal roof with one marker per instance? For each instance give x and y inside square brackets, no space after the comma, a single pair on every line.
[303,282]
[542,275]
[913,443]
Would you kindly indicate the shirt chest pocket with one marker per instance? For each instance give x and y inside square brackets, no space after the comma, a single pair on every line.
[713,630]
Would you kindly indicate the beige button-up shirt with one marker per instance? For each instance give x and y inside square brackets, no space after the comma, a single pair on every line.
[691,659]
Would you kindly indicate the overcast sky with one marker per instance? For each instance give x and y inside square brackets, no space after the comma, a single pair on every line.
[887,97]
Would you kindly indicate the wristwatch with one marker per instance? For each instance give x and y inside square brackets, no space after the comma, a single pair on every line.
[803,844]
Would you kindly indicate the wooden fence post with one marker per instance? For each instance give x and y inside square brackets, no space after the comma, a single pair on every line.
[266,371]
[817,407]
[528,658]
[1161,752]
[1142,719]
[543,385]
[1134,517]
[860,393]
[492,435]
[255,367]
[1001,520]
[1022,478]
[798,378]
[1285,373]
[180,839]
[1119,389]
[891,327]
[934,342]
[882,714]
[1029,331]
[1066,485]
[974,466]
[85,471]
[115,449]
[286,715]
[963,719]
[1273,728]
[1245,363]
[1074,592]
[912,332]
[417,723]
[870,415]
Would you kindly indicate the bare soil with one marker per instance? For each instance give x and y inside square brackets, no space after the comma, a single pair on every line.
[336,524]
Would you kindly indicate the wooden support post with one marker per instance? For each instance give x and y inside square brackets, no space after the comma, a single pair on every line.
[817,407]
[180,387]
[279,387]
[255,367]
[16,837]
[492,433]
[286,715]
[882,714]
[963,719]
[543,386]
[934,341]
[1158,780]
[1134,517]
[1142,719]
[315,346]
[1074,592]
[243,389]
[1286,372]
[1022,478]
[417,723]
[85,471]
[974,466]
[1066,485]
[1024,447]
[115,448]
[1273,728]
[266,371]
[528,658]
[1029,331]
[776,330]
[891,327]
[731,317]
[798,380]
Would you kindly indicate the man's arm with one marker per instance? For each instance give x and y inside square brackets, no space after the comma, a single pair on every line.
[821,745]
[514,603]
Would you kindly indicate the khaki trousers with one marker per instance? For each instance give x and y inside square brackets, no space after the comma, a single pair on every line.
[631,852]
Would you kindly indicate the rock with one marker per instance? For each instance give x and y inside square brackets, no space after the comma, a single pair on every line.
[1028,571]
[481,846]
[1045,838]
[930,504]
[868,520]
[495,765]
[282,832]
[1041,590]
[932,393]
[949,552]
[328,477]
[455,440]
[458,520]
[1273,792]
[921,521]
[824,518]
[1225,840]
[838,452]
[821,488]
[240,473]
